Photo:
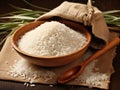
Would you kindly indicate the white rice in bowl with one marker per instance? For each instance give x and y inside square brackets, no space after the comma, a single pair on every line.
[51,39]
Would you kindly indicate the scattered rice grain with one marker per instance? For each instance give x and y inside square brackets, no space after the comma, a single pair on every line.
[30,72]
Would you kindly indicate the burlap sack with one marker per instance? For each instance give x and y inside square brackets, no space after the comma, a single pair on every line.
[84,14]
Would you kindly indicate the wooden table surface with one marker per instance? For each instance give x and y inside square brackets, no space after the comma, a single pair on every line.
[101,4]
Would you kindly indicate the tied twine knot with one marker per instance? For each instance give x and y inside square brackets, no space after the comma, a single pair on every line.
[87,17]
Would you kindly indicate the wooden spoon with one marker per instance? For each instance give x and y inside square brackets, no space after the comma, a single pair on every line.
[75,71]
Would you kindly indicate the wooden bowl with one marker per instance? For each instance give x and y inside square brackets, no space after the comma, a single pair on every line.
[50,61]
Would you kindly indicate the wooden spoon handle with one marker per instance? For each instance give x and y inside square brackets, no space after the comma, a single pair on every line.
[74,72]
[113,43]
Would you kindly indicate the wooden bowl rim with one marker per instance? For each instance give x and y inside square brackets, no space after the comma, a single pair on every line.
[35,56]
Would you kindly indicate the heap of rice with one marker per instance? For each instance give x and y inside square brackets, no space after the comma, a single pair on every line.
[51,39]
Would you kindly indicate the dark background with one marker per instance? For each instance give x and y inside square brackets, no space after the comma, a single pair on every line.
[103,5]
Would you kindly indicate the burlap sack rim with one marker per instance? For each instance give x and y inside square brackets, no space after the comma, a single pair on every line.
[99,27]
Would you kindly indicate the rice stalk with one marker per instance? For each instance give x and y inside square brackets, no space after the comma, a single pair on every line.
[22,16]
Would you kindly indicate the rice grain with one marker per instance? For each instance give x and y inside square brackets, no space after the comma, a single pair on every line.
[51,39]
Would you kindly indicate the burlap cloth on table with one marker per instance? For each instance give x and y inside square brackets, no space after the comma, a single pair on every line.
[14,67]
[97,74]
